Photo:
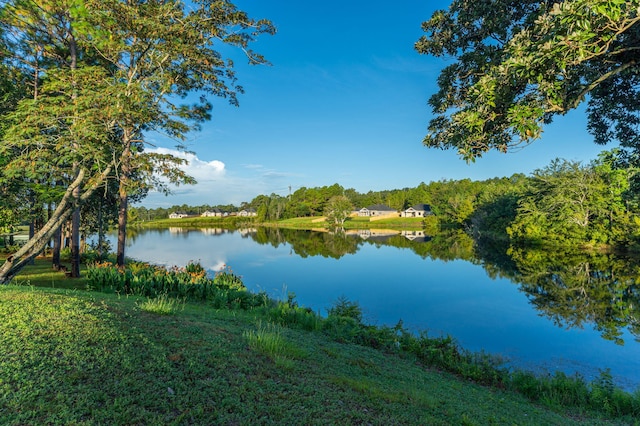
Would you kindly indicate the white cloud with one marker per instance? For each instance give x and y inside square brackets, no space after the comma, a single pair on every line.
[216,184]
[195,167]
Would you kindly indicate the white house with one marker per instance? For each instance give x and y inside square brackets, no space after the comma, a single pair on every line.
[214,213]
[418,210]
[376,210]
[175,215]
[363,212]
[248,213]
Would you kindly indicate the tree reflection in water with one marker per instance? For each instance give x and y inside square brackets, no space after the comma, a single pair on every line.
[573,288]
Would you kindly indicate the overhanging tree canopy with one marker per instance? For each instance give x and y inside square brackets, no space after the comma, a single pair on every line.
[140,60]
[520,63]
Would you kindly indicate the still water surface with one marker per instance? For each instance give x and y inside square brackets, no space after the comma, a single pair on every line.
[451,296]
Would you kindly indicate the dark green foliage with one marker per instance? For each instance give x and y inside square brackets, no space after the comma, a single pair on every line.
[291,315]
[311,201]
[614,402]
[569,203]
[561,390]
[517,64]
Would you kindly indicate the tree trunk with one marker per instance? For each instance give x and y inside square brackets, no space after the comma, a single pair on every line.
[75,218]
[100,231]
[32,232]
[35,245]
[123,201]
[66,236]
[49,211]
[57,244]
[75,236]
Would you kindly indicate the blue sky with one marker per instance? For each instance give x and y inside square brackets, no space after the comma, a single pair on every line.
[345,101]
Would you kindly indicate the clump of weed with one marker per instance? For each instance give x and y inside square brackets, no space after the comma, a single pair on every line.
[162,305]
[268,340]
[346,309]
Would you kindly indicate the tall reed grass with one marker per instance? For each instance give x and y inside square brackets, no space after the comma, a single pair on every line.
[225,289]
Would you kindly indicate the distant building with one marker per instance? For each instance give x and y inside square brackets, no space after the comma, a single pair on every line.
[248,213]
[418,210]
[376,210]
[176,215]
[212,213]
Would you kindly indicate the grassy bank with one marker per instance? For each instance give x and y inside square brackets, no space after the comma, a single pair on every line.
[354,223]
[41,274]
[79,357]
[295,223]
[91,358]
[197,222]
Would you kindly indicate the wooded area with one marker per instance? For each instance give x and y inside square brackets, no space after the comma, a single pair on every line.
[83,82]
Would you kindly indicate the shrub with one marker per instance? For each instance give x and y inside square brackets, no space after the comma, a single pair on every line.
[290,314]
[342,329]
[345,308]
[606,397]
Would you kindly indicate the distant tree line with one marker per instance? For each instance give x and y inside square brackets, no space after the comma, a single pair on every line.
[144,214]
[564,203]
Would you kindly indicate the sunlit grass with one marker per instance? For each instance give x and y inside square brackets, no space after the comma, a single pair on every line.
[267,339]
[354,222]
[162,305]
[42,274]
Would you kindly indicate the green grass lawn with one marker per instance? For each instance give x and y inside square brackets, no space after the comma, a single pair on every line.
[354,223]
[41,274]
[294,223]
[85,358]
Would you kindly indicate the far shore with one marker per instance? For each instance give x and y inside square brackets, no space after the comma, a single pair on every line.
[314,222]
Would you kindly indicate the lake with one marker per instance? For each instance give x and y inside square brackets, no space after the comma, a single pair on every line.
[579,315]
